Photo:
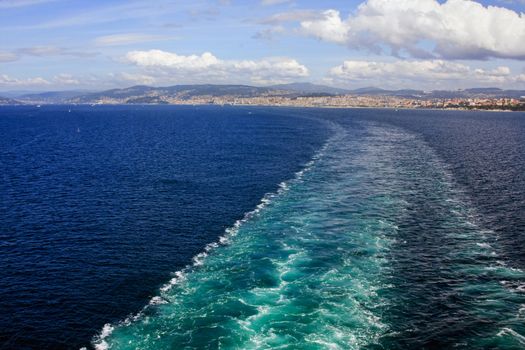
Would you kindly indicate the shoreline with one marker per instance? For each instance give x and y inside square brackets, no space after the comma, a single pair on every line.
[38,105]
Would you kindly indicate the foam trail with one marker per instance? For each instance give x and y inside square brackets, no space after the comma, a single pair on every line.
[293,271]
[100,342]
[458,278]
[371,240]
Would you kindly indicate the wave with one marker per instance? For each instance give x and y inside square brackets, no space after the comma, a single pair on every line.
[324,261]
[100,340]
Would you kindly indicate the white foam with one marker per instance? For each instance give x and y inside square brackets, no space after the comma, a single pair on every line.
[179,276]
[198,260]
[326,344]
[521,311]
[157,301]
[483,245]
[509,331]
[106,332]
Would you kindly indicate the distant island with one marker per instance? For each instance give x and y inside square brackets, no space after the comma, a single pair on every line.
[294,95]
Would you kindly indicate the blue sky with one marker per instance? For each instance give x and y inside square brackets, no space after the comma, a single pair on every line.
[429,44]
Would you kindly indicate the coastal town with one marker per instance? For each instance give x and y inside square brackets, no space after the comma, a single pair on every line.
[336,101]
[292,95]
[351,101]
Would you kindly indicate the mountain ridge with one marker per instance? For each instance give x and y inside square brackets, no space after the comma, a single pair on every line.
[150,94]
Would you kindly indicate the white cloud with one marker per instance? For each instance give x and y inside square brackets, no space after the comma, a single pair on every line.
[140,79]
[8,56]
[159,58]
[42,51]
[108,13]
[268,33]
[58,80]
[425,73]
[127,38]
[455,29]
[65,79]
[7,81]
[6,4]
[330,27]
[273,2]
[206,67]
[291,16]
[512,2]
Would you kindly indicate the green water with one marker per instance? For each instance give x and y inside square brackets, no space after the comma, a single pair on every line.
[372,245]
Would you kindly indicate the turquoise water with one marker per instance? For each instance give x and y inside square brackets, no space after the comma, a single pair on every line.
[372,245]
[100,204]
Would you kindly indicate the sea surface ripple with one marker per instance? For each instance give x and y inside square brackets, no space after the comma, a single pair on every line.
[205,227]
[372,245]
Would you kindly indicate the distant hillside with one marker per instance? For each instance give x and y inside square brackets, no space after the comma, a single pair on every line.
[441,94]
[134,91]
[368,91]
[373,91]
[142,94]
[309,88]
[51,96]
[478,93]
[145,94]
[148,94]
[8,101]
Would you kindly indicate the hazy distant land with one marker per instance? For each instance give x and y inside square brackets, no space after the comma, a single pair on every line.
[296,94]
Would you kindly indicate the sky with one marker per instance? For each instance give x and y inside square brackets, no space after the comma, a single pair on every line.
[101,44]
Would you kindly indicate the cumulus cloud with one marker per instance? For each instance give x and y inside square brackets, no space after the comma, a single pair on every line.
[207,67]
[159,58]
[454,29]
[427,73]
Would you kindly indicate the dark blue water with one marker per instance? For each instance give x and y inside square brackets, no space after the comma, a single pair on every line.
[100,205]
[143,227]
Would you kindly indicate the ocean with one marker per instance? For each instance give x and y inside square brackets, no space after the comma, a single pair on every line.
[207,227]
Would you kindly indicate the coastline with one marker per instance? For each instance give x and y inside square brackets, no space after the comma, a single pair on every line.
[267,105]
